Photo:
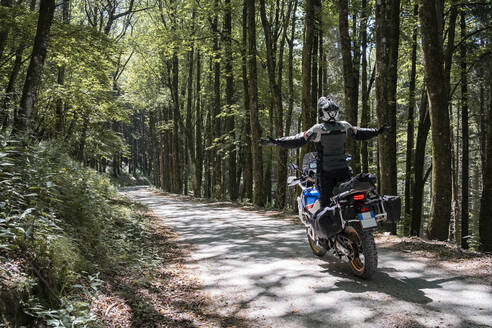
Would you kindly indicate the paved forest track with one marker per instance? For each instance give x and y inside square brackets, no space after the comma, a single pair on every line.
[262,269]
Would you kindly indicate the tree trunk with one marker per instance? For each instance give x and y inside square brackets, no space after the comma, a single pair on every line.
[410,124]
[306,115]
[350,78]
[253,105]
[275,81]
[233,190]
[418,178]
[288,119]
[10,90]
[464,126]
[364,89]
[4,29]
[61,77]
[176,185]
[437,90]
[485,221]
[198,129]
[190,147]
[248,161]
[217,191]
[387,40]
[22,123]
[154,149]
[314,61]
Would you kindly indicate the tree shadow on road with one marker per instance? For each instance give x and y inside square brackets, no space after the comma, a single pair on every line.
[405,289]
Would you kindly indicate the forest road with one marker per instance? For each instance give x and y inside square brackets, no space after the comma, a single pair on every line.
[261,268]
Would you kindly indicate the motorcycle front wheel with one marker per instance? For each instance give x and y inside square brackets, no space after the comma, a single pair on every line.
[364,258]
[317,249]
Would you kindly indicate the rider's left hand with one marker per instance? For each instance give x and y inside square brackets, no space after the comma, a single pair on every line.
[383,129]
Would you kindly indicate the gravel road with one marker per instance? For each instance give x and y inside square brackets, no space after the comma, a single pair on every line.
[262,269]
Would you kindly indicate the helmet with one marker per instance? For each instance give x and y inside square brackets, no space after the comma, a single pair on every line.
[328,109]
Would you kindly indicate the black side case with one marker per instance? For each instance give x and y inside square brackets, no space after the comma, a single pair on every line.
[392,205]
[328,223]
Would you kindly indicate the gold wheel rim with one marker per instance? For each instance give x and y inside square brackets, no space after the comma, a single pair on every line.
[356,261]
[311,242]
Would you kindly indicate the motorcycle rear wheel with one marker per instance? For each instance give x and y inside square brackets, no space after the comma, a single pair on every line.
[318,250]
[364,261]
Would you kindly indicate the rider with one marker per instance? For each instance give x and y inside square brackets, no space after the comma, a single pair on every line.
[329,141]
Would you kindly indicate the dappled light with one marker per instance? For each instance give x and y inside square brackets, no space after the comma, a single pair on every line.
[263,269]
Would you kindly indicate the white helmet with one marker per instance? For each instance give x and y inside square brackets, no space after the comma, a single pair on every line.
[328,109]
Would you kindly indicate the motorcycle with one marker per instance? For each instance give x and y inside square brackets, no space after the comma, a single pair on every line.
[345,227]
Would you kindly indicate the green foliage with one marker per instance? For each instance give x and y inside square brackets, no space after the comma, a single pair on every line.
[63,220]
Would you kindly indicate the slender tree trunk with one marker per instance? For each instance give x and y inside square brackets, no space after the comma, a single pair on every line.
[437,90]
[288,120]
[387,40]
[314,61]
[216,122]
[61,76]
[465,175]
[198,129]
[275,82]
[253,105]
[364,88]
[418,178]
[22,123]
[306,115]
[485,221]
[10,90]
[4,29]
[190,147]
[154,142]
[410,124]
[350,78]
[233,190]
[248,161]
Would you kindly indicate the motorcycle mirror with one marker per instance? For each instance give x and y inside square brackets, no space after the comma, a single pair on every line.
[293,166]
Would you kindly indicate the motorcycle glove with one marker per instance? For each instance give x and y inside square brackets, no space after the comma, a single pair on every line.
[268,141]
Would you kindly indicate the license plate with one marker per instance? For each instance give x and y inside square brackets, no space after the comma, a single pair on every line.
[367,220]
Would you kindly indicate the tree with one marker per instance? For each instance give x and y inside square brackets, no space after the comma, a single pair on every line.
[410,125]
[275,70]
[253,107]
[22,123]
[465,174]
[350,76]
[437,90]
[485,221]
[306,115]
[387,41]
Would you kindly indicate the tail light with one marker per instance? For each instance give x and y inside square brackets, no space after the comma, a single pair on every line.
[364,209]
[359,197]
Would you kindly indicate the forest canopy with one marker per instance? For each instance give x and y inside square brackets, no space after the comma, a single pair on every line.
[182,91]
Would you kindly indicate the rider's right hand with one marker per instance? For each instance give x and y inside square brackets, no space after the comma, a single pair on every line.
[269,141]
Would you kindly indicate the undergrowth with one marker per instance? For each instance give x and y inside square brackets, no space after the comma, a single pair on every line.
[62,226]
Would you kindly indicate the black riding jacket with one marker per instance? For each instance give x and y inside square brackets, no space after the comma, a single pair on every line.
[329,141]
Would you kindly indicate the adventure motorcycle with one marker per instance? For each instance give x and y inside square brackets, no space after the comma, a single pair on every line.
[346,226]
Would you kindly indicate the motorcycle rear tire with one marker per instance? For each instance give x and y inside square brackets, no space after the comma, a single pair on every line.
[365,266]
[317,249]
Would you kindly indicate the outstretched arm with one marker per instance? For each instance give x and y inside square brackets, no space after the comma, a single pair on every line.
[289,142]
[296,141]
[365,133]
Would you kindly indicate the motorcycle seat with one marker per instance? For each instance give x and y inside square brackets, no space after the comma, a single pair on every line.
[362,182]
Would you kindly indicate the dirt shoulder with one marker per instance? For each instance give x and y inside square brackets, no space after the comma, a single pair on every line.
[160,292]
[441,254]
